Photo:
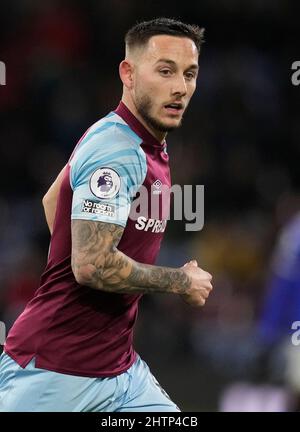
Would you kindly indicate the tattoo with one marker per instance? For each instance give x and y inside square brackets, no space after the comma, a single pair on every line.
[97,263]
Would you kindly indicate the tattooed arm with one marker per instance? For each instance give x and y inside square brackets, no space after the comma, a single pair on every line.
[97,263]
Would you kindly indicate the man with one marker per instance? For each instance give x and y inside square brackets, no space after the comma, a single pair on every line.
[71,349]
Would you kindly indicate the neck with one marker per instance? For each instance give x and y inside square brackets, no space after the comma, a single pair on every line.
[127,100]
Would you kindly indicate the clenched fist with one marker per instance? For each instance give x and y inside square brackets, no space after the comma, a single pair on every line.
[201,284]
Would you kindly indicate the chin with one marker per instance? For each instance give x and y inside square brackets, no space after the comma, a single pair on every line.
[170,122]
[163,124]
[173,125]
[166,127]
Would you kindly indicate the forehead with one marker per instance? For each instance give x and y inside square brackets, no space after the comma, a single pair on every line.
[178,49]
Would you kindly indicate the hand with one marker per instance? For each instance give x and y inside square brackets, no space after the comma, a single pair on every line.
[200,287]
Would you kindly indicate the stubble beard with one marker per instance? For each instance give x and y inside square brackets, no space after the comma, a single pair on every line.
[144,106]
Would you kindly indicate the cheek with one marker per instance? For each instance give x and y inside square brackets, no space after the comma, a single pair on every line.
[144,87]
[150,83]
[191,89]
[190,92]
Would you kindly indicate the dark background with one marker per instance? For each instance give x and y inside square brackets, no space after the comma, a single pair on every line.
[240,139]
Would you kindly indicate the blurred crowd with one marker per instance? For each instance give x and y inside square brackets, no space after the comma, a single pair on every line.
[240,139]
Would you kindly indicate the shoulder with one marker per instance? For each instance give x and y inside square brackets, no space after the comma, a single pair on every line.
[108,136]
[109,143]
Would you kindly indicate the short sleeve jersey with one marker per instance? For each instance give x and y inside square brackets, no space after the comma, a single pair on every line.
[74,329]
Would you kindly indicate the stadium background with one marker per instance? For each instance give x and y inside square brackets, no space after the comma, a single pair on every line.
[240,139]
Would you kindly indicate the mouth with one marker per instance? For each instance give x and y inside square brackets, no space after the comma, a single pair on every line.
[174,108]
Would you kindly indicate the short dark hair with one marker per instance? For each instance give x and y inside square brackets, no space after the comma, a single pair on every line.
[139,34]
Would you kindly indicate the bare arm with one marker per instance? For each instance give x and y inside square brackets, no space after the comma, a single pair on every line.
[97,263]
[50,200]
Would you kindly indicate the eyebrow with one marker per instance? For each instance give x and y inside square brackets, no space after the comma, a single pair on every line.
[172,63]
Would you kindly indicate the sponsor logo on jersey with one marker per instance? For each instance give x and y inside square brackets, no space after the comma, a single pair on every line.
[93,207]
[153,225]
[156,187]
[105,183]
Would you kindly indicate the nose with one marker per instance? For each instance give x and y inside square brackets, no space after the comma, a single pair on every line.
[179,86]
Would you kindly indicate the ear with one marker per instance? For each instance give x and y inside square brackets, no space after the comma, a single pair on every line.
[126,73]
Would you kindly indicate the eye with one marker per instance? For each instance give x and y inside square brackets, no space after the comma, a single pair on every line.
[190,75]
[165,72]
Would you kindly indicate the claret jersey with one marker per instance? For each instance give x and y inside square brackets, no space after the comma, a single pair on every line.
[70,328]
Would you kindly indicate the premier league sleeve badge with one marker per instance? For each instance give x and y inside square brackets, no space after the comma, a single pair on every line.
[105,183]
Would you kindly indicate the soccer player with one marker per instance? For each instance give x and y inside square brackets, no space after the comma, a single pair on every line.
[71,349]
